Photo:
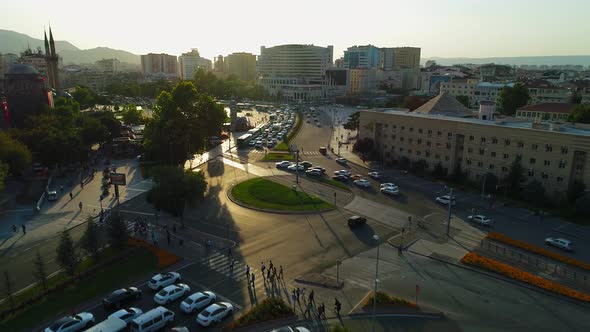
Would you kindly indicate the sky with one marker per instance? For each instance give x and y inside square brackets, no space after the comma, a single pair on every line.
[442,28]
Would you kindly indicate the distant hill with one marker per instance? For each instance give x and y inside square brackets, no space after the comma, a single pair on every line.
[14,42]
[583,60]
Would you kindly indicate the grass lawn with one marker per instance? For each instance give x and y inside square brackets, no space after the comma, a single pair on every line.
[266,194]
[123,272]
[278,156]
[328,181]
[283,146]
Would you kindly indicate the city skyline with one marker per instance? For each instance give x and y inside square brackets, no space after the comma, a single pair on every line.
[458,28]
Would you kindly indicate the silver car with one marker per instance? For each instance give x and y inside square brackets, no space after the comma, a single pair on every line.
[560,243]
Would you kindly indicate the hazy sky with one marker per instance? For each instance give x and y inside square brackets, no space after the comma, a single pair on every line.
[447,28]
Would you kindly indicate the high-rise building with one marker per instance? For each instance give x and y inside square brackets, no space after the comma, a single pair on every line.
[191,61]
[220,64]
[241,64]
[159,66]
[386,58]
[362,57]
[406,57]
[108,65]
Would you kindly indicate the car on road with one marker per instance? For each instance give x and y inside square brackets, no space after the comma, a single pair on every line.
[375,175]
[252,143]
[323,150]
[296,167]
[215,313]
[393,191]
[152,320]
[344,172]
[321,169]
[314,172]
[171,293]
[308,121]
[362,183]
[162,280]
[120,297]
[480,219]
[319,125]
[356,177]
[52,195]
[291,329]
[341,161]
[356,221]
[197,301]
[127,315]
[283,164]
[560,243]
[339,177]
[74,323]
[446,199]
[306,164]
[388,184]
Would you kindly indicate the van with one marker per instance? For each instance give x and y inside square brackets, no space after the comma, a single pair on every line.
[110,325]
[323,150]
[152,320]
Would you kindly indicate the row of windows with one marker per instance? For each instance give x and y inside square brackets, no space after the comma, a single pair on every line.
[507,142]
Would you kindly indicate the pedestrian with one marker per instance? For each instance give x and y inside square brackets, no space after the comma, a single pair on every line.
[155,238]
[231,265]
[174,228]
[337,306]
[229,252]
[298,293]
[168,237]
[270,264]
[14,228]
[262,268]
[293,298]
[253,278]
[247,271]
[311,300]
[24,228]
[281,272]
[80,205]
[61,188]
[303,294]
[268,275]
[81,183]
[71,196]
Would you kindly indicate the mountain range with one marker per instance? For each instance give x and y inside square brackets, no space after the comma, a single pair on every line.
[14,42]
[583,60]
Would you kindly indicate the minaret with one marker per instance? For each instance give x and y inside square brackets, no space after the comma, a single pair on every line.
[52,43]
[46,43]
[51,59]
[48,60]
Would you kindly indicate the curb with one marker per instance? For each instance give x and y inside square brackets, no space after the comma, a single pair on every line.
[319,284]
[231,198]
[514,282]
[431,315]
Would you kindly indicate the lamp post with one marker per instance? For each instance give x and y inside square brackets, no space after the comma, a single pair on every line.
[449,214]
[376,238]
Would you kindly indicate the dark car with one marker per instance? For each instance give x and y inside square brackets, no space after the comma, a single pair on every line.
[120,297]
[306,164]
[356,221]
[341,178]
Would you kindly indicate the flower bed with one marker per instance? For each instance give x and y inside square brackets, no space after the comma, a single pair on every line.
[514,273]
[269,309]
[537,250]
[165,258]
[388,300]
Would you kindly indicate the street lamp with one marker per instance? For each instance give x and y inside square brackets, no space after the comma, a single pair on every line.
[376,238]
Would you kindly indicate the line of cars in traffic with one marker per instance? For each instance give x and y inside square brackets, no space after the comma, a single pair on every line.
[274,131]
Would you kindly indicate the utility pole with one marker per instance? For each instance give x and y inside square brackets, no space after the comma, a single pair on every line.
[483,186]
[449,215]
[297,166]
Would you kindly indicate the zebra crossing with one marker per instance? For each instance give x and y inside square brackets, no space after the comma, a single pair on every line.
[304,153]
[221,263]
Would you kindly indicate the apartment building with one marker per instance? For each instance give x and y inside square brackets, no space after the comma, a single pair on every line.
[548,94]
[159,66]
[476,91]
[241,64]
[362,81]
[190,62]
[362,57]
[546,111]
[554,154]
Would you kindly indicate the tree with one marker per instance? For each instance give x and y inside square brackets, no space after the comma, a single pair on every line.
[66,254]
[353,121]
[534,192]
[84,96]
[132,116]
[8,288]
[438,172]
[175,188]
[363,145]
[515,176]
[463,100]
[512,98]
[40,272]
[89,241]
[14,154]
[580,114]
[117,231]
[457,175]
[575,191]
[491,183]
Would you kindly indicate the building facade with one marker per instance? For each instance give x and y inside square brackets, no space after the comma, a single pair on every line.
[111,66]
[159,66]
[476,91]
[362,57]
[362,81]
[549,94]
[546,111]
[406,57]
[241,64]
[555,155]
[190,62]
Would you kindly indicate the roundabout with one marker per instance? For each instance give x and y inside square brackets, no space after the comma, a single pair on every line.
[267,195]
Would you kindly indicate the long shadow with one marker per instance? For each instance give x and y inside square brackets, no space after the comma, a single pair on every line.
[365,234]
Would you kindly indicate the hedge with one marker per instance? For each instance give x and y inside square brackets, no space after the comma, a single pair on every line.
[517,274]
[269,309]
[165,258]
[537,250]
[384,299]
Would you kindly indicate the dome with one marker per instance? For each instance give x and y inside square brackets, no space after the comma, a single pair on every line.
[21,69]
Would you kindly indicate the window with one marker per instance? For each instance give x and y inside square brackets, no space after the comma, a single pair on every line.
[544,175]
[427,153]
[520,144]
[562,164]
[534,146]
[393,136]
[531,172]
[504,169]
[438,133]
[559,179]
[410,141]
[507,142]
[419,141]
[493,154]
[450,135]
[491,166]
[506,155]
[448,145]
[468,162]
[532,161]
[428,143]
[401,149]
[494,140]
[420,131]
[410,151]
[483,139]
[482,151]
[401,139]
[563,150]
[480,164]
[411,129]
[447,158]
[437,156]
[547,163]
[471,138]
[403,127]
[429,131]
[469,150]
[394,126]
[548,148]
[579,167]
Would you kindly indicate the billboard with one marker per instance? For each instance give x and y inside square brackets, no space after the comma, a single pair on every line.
[118,179]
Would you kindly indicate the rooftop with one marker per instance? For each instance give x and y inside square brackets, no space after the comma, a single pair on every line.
[22,69]
[564,108]
[444,104]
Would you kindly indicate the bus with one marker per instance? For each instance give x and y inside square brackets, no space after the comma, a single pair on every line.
[244,140]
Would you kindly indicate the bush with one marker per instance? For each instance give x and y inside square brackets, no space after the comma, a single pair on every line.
[384,299]
[165,258]
[269,309]
[514,273]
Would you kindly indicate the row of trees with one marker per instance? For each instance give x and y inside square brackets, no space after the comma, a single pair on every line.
[228,88]
[148,89]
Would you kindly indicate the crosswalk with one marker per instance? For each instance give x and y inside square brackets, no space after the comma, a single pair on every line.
[304,153]
[221,263]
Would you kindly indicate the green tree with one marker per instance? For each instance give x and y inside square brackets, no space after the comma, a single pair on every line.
[575,191]
[353,121]
[363,145]
[117,231]
[40,272]
[90,241]
[84,96]
[515,176]
[8,289]
[580,114]
[14,153]
[132,116]
[534,192]
[93,131]
[67,257]
[463,100]
[511,98]
[438,172]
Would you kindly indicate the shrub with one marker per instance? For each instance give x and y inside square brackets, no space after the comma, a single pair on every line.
[537,250]
[514,273]
[165,258]
[269,309]
[384,299]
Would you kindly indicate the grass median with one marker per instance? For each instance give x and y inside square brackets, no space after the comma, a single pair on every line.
[278,156]
[328,181]
[265,194]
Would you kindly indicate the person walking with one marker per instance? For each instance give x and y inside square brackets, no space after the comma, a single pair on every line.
[80,205]
[298,293]
[337,306]
[81,183]
[262,268]
[311,300]
[229,252]
[293,298]
[14,228]
[231,265]
[71,196]
[253,278]
[281,272]
[24,228]
[247,271]
[168,237]
[270,265]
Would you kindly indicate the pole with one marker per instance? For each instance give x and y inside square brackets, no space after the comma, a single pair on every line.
[449,215]
[376,237]
[338,262]
[297,166]
[483,186]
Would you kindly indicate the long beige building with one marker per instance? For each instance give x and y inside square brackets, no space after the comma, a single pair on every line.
[442,131]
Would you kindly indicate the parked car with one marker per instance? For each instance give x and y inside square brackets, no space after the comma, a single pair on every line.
[321,169]
[306,164]
[127,315]
[340,178]
[120,297]
[341,161]
[388,184]
[560,243]
[362,183]
[171,293]
[215,313]
[480,219]
[197,301]
[283,164]
[393,191]
[291,329]
[162,280]
[314,172]
[296,167]
[356,221]
[74,323]
[375,175]
[152,320]
[344,172]
[52,195]
[446,199]
[356,177]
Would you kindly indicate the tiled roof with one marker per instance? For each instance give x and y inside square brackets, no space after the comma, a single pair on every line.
[444,104]
[549,108]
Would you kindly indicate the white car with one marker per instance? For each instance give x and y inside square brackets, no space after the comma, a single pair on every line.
[215,313]
[283,164]
[394,191]
[388,184]
[446,199]
[362,183]
[375,175]
[480,219]
[197,301]
[75,323]
[252,143]
[162,280]
[296,167]
[560,243]
[127,315]
[291,329]
[52,195]
[314,172]
[171,293]
[341,161]
[344,172]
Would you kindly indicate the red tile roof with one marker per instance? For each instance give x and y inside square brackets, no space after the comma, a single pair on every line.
[549,108]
